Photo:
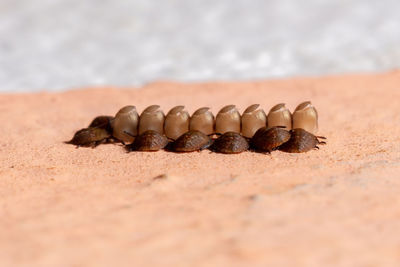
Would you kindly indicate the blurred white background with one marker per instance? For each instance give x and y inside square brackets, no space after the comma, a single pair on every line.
[61,44]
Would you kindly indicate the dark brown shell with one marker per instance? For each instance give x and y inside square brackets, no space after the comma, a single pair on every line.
[191,141]
[90,137]
[301,141]
[148,141]
[268,139]
[230,143]
[102,122]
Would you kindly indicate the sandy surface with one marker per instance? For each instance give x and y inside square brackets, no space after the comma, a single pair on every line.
[339,206]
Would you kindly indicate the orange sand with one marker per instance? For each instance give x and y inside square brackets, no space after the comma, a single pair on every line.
[339,206]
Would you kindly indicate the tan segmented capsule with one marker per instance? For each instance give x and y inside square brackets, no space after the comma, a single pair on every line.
[279,115]
[253,119]
[152,118]
[305,117]
[202,120]
[227,120]
[176,122]
[125,121]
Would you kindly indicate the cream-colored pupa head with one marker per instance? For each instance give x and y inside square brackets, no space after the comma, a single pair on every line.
[176,122]
[228,120]
[253,118]
[305,117]
[279,115]
[152,118]
[125,121]
[202,120]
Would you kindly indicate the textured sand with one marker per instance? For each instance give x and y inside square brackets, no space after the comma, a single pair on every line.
[339,206]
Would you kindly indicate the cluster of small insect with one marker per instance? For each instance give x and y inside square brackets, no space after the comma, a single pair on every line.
[228,132]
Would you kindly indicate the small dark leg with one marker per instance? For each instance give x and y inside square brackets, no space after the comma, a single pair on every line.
[128,149]
[94,144]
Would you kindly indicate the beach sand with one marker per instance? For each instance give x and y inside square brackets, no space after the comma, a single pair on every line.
[337,206]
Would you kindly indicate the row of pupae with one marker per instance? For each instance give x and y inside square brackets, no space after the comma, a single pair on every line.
[227,132]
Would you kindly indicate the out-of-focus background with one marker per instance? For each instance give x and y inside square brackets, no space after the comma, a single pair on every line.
[61,44]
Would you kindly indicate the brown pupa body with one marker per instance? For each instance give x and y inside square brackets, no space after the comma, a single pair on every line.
[230,143]
[301,141]
[90,137]
[268,139]
[191,141]
[102,122]
[148,141]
